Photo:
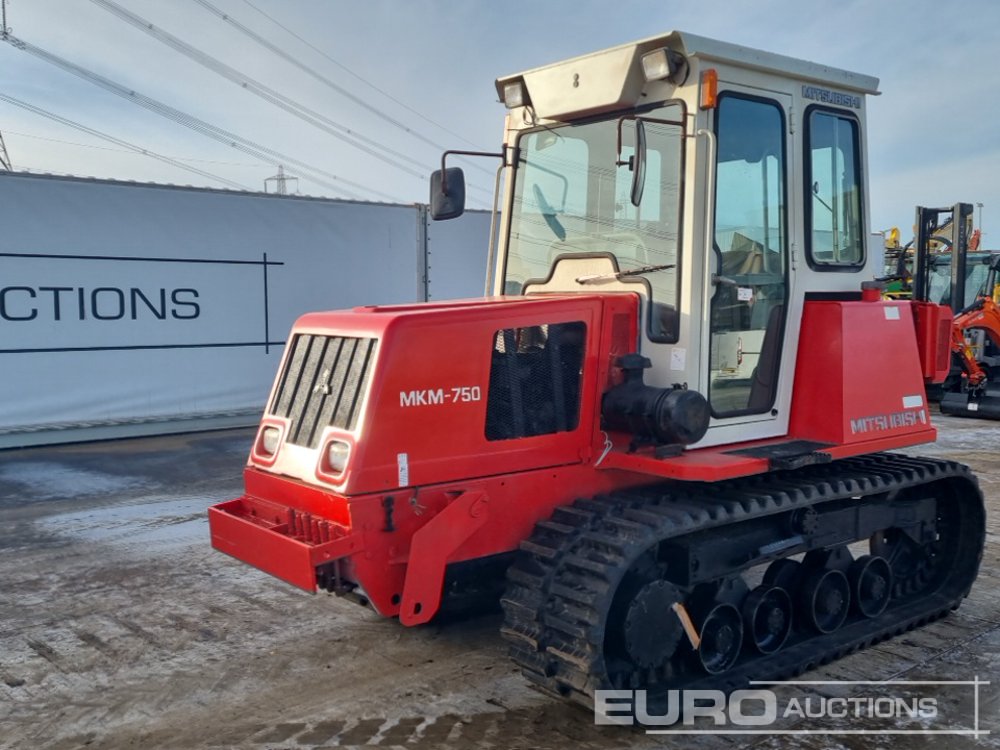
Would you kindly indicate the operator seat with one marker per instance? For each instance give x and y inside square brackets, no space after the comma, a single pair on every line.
[765,374]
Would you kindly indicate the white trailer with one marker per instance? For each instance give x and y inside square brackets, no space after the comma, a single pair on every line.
[132,308]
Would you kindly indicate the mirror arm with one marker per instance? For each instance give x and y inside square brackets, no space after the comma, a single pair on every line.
[444,169]
[492,253]
[618,144]
[656,120]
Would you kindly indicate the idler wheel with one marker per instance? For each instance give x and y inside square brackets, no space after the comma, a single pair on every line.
[909,561]
[651,628]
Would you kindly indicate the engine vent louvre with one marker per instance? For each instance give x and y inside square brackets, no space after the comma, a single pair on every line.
[535,380]
[323,383]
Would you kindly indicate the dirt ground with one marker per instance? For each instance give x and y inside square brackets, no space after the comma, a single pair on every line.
[120,627]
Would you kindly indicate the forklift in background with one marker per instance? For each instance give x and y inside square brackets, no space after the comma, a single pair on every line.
[940,236]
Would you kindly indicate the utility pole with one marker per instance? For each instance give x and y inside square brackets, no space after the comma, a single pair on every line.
[281,181]
[4,31]
[5,164]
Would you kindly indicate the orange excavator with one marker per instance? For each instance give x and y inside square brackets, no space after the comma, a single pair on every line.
[972,389]
[979,323]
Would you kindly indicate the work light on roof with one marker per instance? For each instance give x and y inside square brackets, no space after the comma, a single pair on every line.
[515,94]
[664,64]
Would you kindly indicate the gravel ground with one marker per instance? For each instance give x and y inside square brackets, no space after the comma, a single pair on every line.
[120,627]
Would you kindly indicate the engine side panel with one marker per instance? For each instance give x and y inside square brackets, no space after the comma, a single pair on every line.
[859,377]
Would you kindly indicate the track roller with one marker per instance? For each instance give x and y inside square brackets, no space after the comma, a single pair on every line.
[825,597]
[871,584]
[721,631]
[767,617]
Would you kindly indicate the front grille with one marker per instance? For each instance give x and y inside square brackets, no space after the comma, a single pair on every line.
[323,384]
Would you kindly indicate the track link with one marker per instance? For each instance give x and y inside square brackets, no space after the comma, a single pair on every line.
[561,601]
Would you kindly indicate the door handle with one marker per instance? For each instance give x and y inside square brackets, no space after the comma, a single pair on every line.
[723,281]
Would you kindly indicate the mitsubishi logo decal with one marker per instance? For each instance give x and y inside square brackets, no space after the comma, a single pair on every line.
[324,385]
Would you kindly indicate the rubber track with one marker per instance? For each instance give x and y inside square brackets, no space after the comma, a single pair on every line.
[562,584]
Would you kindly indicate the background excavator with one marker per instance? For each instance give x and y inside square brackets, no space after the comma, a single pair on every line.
[943,264]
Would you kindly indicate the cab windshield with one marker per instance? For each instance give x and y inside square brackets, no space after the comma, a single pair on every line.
[570,196]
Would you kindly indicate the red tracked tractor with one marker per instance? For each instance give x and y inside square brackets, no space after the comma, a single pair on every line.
[662,441]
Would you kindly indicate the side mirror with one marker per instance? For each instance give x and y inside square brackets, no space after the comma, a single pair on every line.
[639,163]
[447,194]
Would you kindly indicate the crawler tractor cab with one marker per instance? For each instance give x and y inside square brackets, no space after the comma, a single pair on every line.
[662,438]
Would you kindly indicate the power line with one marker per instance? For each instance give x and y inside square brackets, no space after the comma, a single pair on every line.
[272,96]
[283,54]
[310,116]
[245,145]
[339,64]
[254,165]
[117,141]
[277,50]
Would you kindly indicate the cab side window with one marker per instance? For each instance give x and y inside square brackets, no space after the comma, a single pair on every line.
[835,233]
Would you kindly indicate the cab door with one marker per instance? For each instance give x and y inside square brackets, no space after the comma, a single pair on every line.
[748,268]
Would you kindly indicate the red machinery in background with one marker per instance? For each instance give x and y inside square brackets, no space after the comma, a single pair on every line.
[977,394]
[969,390]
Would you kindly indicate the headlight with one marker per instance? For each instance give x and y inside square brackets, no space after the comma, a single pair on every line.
[336,456]
[269,440]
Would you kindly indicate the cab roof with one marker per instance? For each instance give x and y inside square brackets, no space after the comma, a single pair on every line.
[612,77]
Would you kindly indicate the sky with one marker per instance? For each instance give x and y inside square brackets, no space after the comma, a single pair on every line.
[428,66]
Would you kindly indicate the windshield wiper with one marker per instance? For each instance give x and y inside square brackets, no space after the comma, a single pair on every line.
[622,274]
[548,213]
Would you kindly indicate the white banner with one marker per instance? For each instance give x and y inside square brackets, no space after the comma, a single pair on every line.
[127,304]
[65,303]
